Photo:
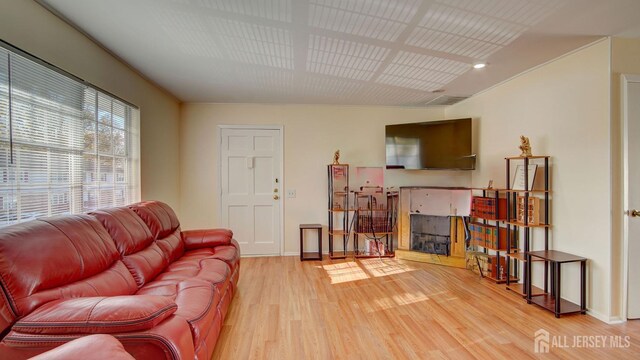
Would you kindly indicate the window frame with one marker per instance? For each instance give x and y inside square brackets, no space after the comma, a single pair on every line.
[67,184]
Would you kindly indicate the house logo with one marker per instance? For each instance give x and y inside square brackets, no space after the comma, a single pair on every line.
[541,341]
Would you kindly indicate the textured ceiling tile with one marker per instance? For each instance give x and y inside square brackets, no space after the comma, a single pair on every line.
[379,19]
[411,83]
[255,44]
[431,62]
[421,72]
[330,87]
[470,25]
[524,12]
[452,44]
[271,82]
[265,78]
[463,32]
[279,10]
[189,34]
[377,94]
[347,59]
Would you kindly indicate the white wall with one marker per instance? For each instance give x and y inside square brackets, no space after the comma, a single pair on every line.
[30,27]
[564,109]
[311,135]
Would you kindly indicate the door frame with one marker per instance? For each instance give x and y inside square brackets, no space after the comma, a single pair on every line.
[280,129]
[625,80]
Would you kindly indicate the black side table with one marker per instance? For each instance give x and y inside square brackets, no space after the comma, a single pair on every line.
[310,255]
[553,301]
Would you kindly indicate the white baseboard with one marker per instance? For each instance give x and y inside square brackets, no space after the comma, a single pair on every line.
[259,255]
[296,253]
[598,316]
[611,320]
[616,320]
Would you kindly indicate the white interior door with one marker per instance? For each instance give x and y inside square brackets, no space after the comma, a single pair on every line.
[251,192]
[631,96]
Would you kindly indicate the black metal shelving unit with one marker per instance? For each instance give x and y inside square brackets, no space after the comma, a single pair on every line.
[494,223]
[380,224]
[520,254]
[339,209]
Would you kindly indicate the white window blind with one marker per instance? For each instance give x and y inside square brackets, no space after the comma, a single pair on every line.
[65,147]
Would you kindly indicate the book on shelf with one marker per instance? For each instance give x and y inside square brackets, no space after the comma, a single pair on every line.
[375,221]
[488,265]
[490,236]
[488,208]
[533,211]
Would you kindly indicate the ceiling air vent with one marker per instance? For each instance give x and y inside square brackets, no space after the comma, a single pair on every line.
[446,100]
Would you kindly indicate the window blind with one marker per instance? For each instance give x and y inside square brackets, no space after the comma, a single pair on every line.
[65,147]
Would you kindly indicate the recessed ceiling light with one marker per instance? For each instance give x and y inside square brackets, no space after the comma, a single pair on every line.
[479,65]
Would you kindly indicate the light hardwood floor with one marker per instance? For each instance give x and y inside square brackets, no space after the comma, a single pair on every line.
[391,309]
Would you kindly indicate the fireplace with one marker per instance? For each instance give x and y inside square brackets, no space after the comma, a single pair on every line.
[430,234]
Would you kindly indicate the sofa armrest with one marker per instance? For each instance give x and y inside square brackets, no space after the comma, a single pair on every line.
[170,340]
[91,347]
[196,239]
[89,315]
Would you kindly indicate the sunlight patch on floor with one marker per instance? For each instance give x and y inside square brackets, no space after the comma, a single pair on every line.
[379,267]
[364,269]
[396,300]
[345,272]
[384,303]
[410,298]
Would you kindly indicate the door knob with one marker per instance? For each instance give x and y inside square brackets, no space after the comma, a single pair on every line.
[276,197]
[634,213]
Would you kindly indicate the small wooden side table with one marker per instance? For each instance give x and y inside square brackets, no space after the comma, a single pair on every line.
[310,255]
[553,301]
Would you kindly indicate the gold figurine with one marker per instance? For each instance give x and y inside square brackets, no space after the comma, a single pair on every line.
[336,158]
[525,146]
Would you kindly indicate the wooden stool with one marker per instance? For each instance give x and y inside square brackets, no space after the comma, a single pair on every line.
[310,255]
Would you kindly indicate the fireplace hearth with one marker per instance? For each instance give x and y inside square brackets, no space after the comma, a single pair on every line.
[430,234]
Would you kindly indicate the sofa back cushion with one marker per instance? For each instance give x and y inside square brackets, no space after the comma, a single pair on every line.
[159,217]
[134,241]
[54,258]
[164,226]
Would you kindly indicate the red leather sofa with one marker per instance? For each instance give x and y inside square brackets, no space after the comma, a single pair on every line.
[90,347]
[127,271]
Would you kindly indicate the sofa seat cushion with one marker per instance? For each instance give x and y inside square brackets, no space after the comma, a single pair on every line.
[88,315]
[212,271]
[92,347]
[227,253]
[197,303]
